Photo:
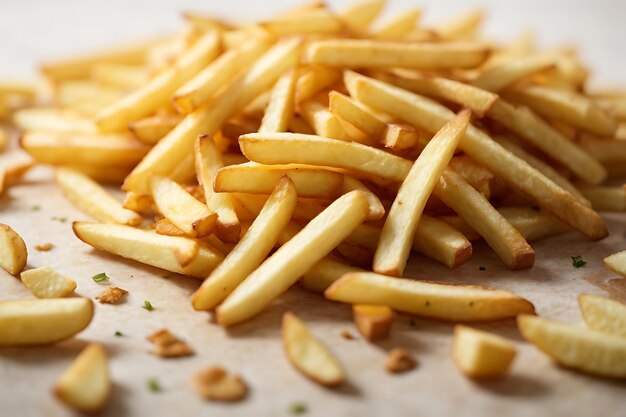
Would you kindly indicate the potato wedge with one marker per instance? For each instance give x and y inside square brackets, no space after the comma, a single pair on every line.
[13,252]
[86,384]
[397,234]
[373,321]
[47,283]
[251,250]
[307,354]
[479,354]
[617,263]
[176,254]
[603,314]
[43,321]
[444,301]
[181,208]
[587,351]
[94,200]
[281,270]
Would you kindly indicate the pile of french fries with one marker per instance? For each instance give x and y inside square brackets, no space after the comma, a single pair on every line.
[321,148]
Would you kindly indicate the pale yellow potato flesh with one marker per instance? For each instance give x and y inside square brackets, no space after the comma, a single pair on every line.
[588,351]
[43,321]
[280,109]
[315,79]
[480,354]
[251,250]
[505,72]
[398,26]
[441,242]
[322,120]
[603,314]
[281,270]
[52,119]
[314,22]
[324,273]
[307,354]
[86,385]
[360,15]
[47,283]
[152,129]
[172,253]
[617,263]
[605,198]
[13,252]
[90,197]
[376,209]
[444,301]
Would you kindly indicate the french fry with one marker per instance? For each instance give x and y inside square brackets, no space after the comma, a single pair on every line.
[464,26]
[352,53]
[324,273]
[617,263]
[360,15]
[261,179]
[480,354]
[4,140]
[441,242]
[376,209]
[356,114]
[86,97]
[507,71]
[588,351]
[19,88]
[13,252]
[499,234]
[91,198]
[285,148]
[165,156]
[323,122]
[476,175]
[43,321]
[605,198]
[373,321]
[251,250]
[51,119]
[307,354]
[451,302]
[156,93]
[431,116]
[398,26]
[152,129]
[603,314]
[396,237]
[126,77]
[86,384]
[279,111]
[319,21]
[605,150]
[181,208]
[83,148]
[208,162]
[315,79]
[47,283]
[293,259]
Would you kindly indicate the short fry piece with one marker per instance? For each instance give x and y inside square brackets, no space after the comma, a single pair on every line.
[451,302]
[441,242]
[400,360]
[603,314]
[617,263]
[90,197]
[86,385]
[588,351]
[112,295]
[43,321]
[480,354]
[251,250]
[47,283]
[373,321]
[13,252]
[307,354]
[215,384]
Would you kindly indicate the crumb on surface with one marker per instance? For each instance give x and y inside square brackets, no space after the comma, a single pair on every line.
[45,247]
[166,345]
[400,360]
[216,384]
[111,295]
[346,335]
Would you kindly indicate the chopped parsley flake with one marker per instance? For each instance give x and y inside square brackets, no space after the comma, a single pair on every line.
[297,408]
[153,385]
[100,278]
[578,261]
[118,333]
[35,208]
[147,305]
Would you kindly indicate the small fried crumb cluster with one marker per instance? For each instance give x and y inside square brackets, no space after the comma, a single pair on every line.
[400,360]
[216,384]
[45,247]
[168,346]
[111,295]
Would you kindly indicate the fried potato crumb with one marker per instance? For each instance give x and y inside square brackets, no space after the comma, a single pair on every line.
[44,247]
[400,360]
[111,295]
[346,335]
[216,384]
[169,346]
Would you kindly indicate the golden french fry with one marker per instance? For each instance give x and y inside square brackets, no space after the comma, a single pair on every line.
[425,113]
[605,198]
[588,351]
[507,71]
[122,76]
[181,208]
[353,53]
[52,119]
[86,97]
[373,321]
[398,26]
[176,254]
[152,129]
[441,242]
[307,354]
[43,321]
[86,385]
[320,236]
[452,302]
[251,250]
[359,16]
[285,148]
[617,263]
[603,314]
[324,273]
[47,283]
[315,79]
[605,150]
[254,178]
[90,197]
[376,209]
[464,26]
[13,252]
[396,237]
[279,111]
[323,122]
[319,21]
[480,354]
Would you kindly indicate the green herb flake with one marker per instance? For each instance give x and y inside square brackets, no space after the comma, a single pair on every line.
[118,333]
[297,408]
[153,385]
[147,305]
[100,278]
[35,208]
[578,261]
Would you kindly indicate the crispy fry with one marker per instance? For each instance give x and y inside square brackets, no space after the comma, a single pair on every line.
[605,198]
[480,354]
[152,129]
[398,26]
[360,15]
[505,72]
[617,263]
[280,108]
[373,321]
[319,21]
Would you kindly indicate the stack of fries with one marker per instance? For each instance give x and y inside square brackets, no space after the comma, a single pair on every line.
[344,144]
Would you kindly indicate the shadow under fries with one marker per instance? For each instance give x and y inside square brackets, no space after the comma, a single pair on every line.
[515,385]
